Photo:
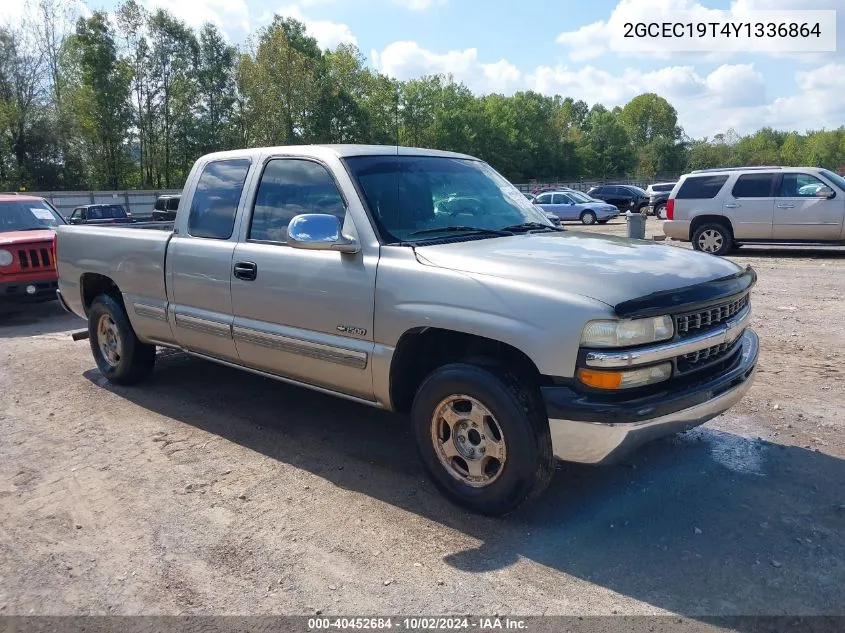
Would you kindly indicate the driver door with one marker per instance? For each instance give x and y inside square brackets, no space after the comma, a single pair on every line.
[801,214]
[303,314]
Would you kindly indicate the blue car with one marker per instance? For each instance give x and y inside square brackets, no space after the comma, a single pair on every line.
[574,205]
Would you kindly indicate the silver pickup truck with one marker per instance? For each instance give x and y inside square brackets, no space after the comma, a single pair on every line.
[424,283]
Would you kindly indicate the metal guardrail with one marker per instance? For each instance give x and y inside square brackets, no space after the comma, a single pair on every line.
[138,202]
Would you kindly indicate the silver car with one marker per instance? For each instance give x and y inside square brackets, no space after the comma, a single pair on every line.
[718,209]
[574,205]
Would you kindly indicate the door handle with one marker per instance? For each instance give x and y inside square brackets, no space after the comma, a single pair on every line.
[247,271]
[786,206]
[732,205]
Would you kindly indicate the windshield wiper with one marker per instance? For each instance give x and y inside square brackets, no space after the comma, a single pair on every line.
[465,229]
[531,226]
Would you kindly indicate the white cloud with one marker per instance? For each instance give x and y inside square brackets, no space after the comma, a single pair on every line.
[419,5]
[327,33]
[407,59]
[226,14]
[731,96]
[599,38]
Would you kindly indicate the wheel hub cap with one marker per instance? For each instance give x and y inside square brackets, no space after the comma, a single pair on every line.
[109,341]
[468,441]
[710,241]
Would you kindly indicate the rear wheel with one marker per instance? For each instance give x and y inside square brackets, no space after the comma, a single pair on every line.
[483,437]
[120,356]
[588,217]
[660,211]
[714,238]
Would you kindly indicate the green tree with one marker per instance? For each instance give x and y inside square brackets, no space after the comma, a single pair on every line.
[101,98]
[216,91]
[608,148]
[174,62]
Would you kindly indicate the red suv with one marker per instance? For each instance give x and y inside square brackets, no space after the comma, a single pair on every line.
[27,249]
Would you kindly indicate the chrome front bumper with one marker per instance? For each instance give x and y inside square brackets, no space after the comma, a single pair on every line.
[594,442]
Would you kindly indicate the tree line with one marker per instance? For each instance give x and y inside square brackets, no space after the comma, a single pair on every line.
[131,99]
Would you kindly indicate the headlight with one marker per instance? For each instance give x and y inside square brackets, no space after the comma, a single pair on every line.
[6,258]
[627,333]
[625,379]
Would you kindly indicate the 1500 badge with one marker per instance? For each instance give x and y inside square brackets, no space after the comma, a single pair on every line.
[355,331]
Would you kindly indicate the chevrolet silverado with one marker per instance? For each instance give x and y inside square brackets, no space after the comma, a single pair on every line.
[424,283]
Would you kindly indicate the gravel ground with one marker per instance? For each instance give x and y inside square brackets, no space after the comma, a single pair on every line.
[212,491]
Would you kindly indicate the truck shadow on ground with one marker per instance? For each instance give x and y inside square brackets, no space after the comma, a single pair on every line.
[709,523]
[37,318]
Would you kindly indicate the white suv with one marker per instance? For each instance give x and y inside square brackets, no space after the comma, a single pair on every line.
[717,209]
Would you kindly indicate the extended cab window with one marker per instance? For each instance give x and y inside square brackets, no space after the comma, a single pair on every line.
[701,187]
[800,186]
[216,199]
[290,187]
[753,186]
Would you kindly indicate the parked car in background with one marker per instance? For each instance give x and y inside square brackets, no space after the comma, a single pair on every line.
[574,205]
[718,209]
[623,197]
[506,341]
[100,214]
[164,209]
[27,249]
[658,195]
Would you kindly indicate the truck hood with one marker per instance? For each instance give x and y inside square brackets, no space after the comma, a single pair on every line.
[602,267]
[8,238]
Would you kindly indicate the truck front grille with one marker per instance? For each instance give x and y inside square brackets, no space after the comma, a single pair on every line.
[694,322]
[34,258]
[706,357]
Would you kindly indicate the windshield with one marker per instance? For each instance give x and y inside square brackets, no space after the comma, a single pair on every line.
[838,180]
[27,215]
[106,212]
[580,197]
[442,197]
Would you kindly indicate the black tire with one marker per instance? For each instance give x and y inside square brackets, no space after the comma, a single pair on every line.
[658,210]
[588,217]
[135,360]
[517,411]
[714,238]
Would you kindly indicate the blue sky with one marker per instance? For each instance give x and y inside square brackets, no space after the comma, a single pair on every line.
[563,47]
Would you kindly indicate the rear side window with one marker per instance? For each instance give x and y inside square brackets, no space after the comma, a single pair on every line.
[173,204]
[546,198]
[216,199]
[159,205]
[701,187]
[753,186]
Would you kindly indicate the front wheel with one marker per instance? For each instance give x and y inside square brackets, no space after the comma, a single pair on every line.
[713,238]
[483,437]
[588,217]
[120,356]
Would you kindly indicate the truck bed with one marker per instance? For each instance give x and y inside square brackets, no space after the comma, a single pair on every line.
[132,258]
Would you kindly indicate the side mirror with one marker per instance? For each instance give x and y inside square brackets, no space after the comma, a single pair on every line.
[826,192]
[320,232]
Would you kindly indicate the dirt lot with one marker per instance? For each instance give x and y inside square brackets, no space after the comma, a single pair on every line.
[209,490]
